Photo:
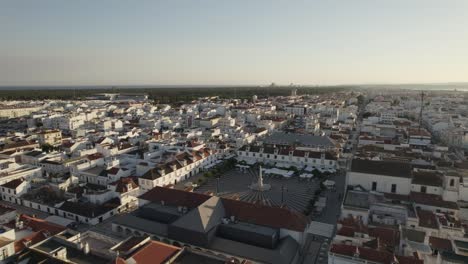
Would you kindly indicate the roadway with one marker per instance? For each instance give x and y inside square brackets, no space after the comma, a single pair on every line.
[316,248]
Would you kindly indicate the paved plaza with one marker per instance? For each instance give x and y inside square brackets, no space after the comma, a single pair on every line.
[294,192]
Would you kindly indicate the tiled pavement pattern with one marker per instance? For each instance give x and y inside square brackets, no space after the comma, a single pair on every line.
[235,184]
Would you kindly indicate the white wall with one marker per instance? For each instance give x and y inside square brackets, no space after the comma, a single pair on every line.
[384,183]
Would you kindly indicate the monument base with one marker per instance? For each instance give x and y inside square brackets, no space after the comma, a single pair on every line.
[263,187]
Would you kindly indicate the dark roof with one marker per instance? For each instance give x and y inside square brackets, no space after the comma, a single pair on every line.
[388,168]
[263,215]
[282,138]
[427,177]
[34,153]
[88,209]
[129,243]
[151,174]
[413,235]
[203,218]
[190,256]
[174,197]
[13,184]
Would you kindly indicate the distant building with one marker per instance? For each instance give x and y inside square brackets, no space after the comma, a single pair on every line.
[50,137]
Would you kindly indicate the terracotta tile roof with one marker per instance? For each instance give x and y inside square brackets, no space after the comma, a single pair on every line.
[346,231]
[427,219]
[154,253]
[37,224]
[41,228]
[388,236]
[440,243]
[266,215]
[122,184]
[95,156]
[113,170]
[432,200]
[356,224]
[32,239]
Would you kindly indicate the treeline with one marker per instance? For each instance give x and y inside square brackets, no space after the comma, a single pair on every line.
[165,95]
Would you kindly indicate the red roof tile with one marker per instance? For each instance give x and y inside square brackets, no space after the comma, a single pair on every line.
[266,215]
[95,156]
[440,243]
[154,253]
[427,219]
[37,224]
[388,236]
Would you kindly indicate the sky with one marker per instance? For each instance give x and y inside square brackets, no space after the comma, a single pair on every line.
[240,42]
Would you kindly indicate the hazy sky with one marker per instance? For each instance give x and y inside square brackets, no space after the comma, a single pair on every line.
[105,42]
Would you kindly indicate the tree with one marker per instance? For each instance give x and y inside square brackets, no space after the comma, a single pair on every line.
[47,148]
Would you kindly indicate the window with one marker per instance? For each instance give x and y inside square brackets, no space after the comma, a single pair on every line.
[423,189]
[374,186]
[452,182]
[393,188]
